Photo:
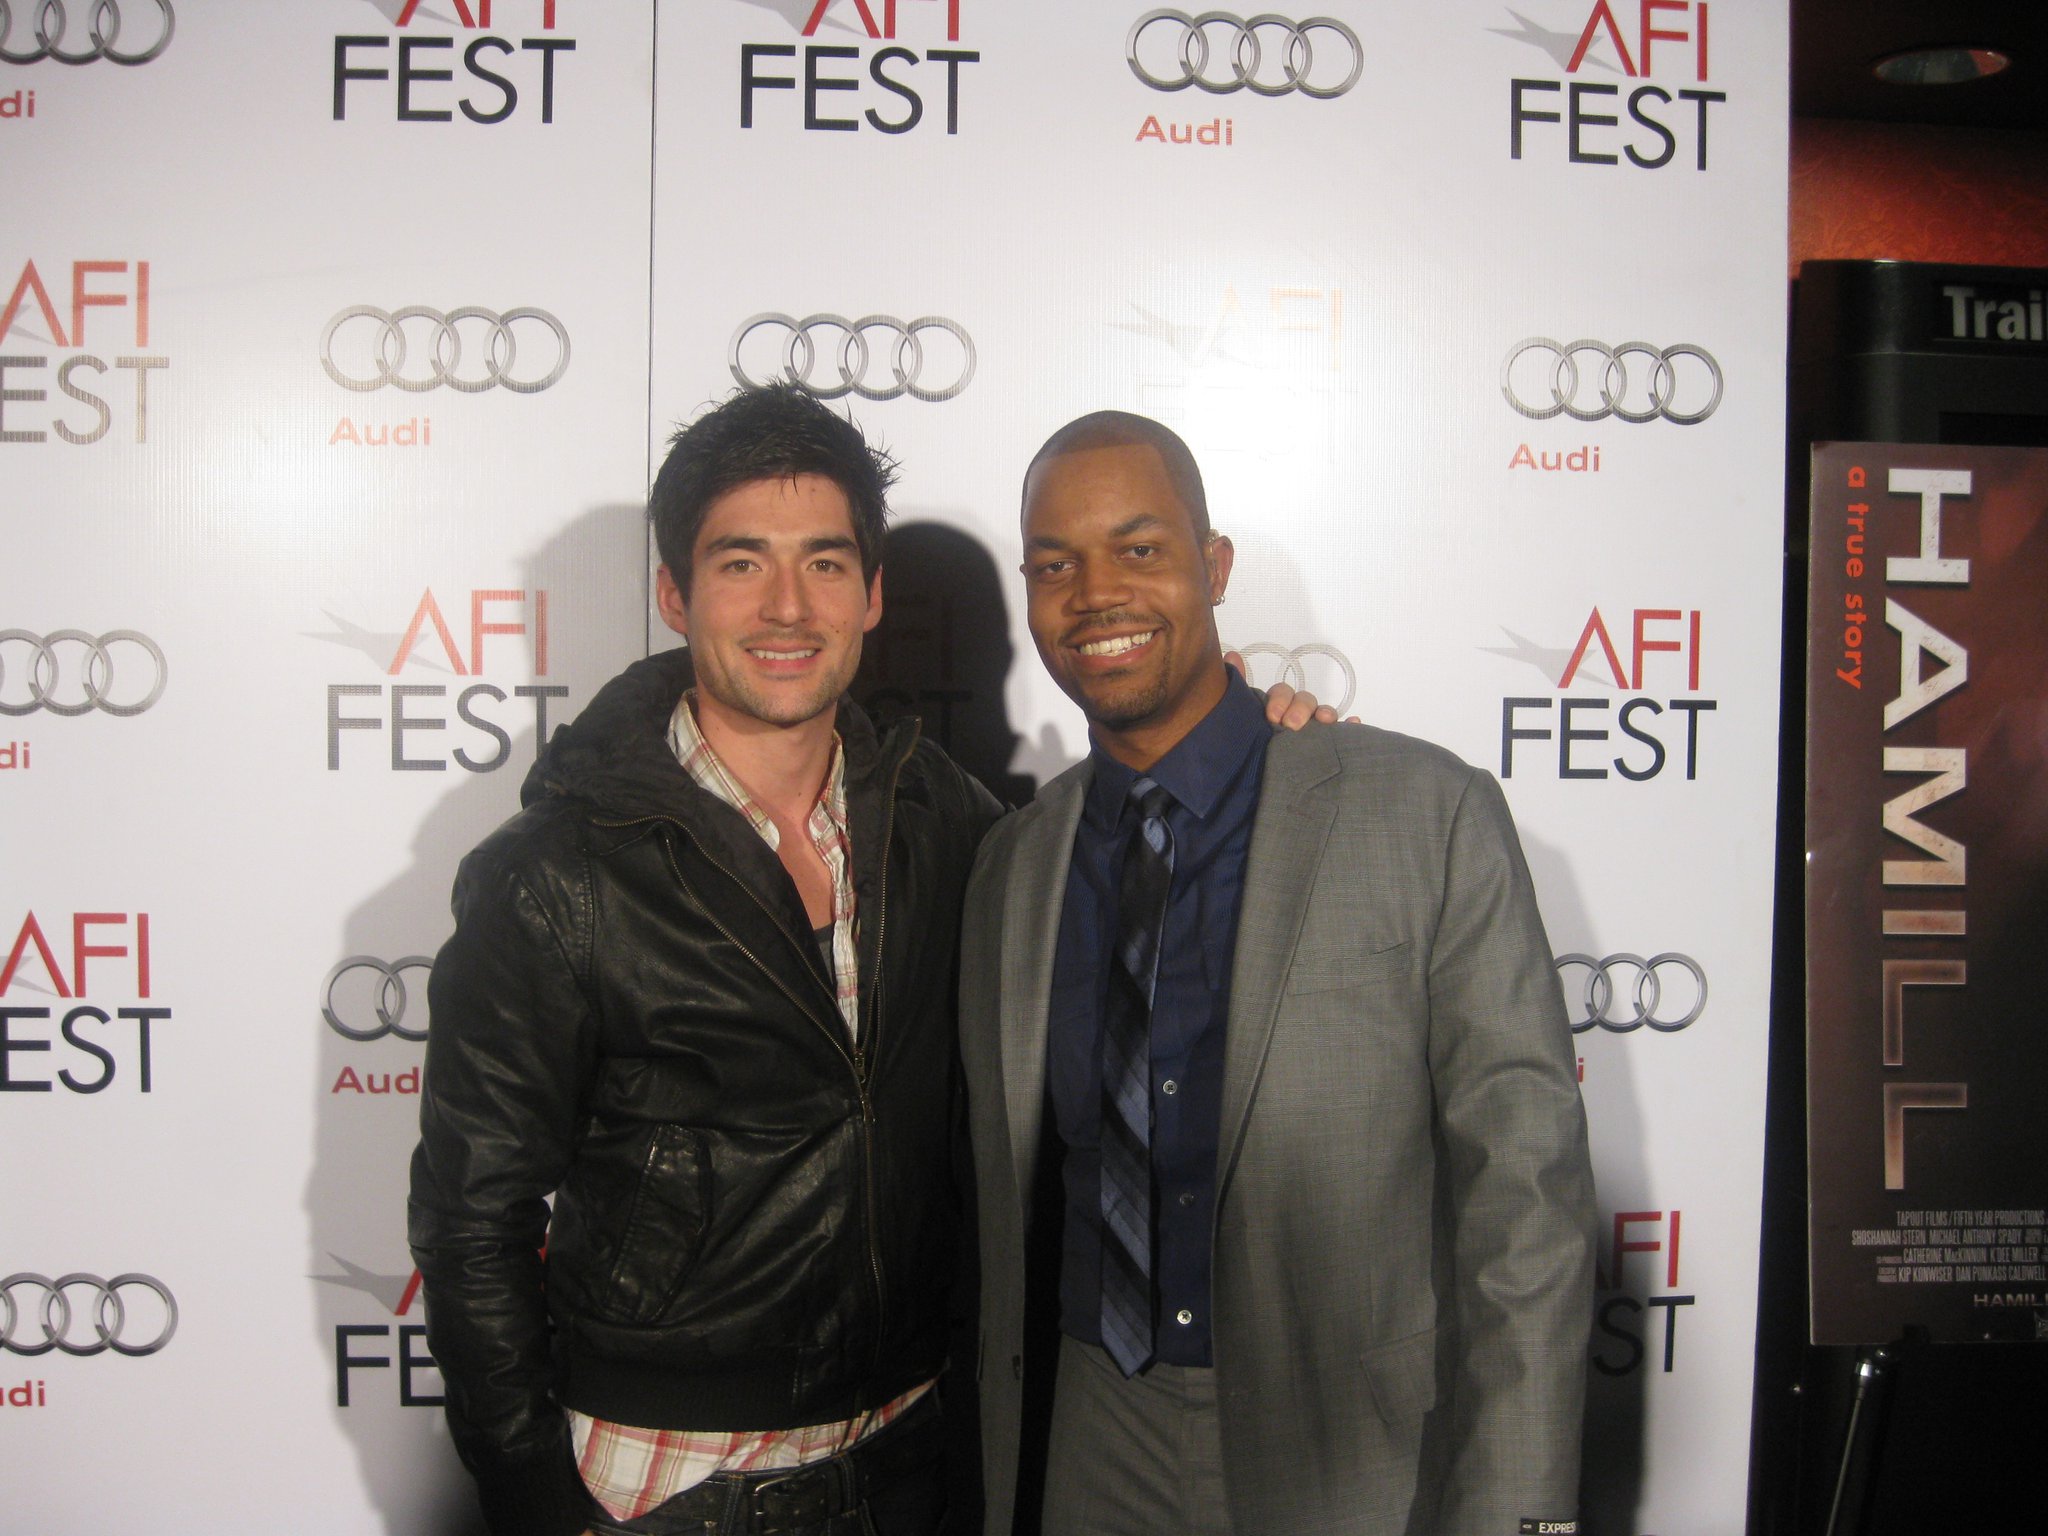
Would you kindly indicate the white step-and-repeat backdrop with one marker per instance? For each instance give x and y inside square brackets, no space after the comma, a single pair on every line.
[338,340]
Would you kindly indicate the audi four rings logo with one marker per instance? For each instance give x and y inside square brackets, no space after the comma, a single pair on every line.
[42,675]
[1267,54]
[388,1002]
[1294,670]
[374,349]
[33,1330]
[911,360]
[103,26]
[1642,998]
[1664,388]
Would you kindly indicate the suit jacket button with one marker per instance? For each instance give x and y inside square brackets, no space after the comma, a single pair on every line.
[1017,1366]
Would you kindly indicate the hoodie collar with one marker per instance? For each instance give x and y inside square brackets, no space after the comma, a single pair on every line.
[615,754]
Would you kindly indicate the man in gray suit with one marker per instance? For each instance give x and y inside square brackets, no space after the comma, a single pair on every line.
[1271,1086]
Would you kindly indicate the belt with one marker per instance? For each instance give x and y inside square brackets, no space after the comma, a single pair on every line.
[763,1503]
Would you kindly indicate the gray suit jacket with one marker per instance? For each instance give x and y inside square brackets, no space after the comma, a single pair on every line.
[1403,1248]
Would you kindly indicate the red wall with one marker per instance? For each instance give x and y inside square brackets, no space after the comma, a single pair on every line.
[1907,192]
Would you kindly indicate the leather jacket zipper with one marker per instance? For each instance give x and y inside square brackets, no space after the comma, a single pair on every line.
[861,1052]
[857,1054]
[867,1163]
[836,1031]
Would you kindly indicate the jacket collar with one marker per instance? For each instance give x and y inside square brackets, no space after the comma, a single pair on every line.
[615,754]
[614,759]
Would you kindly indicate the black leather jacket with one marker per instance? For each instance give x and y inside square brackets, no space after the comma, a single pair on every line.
[754,1217]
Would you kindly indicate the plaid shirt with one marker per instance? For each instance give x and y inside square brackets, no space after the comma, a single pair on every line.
[630,1470]
[826,827]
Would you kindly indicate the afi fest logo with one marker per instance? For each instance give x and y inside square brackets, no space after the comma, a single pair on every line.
[1645,725]
[398,1297]
[39,326]
[1597,114]
[1260,365]
[83,32]
[864,72]
[424,76]
[408,721]
[1631,1288]
[1287,328]
[95,1031]
[1220,54]
[367,998]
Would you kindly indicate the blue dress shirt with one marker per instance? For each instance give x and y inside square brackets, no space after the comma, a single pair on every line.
[1213,776]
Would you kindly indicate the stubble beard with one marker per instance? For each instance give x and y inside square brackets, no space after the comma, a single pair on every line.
[741,695]
[1118,704]
[1126,705]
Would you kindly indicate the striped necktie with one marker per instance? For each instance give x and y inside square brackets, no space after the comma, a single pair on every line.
[1127,1279]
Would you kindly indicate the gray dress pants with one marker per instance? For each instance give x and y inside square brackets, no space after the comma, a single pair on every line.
[1136,1457]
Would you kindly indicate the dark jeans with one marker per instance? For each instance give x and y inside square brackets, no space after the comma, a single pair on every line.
[892,1484]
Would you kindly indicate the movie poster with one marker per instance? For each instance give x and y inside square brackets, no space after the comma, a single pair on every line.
[1927,881]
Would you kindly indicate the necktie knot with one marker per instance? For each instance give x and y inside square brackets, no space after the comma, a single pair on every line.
[1149,798]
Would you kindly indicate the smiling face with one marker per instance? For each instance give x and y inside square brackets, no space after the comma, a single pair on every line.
[1120,589]
[776,605]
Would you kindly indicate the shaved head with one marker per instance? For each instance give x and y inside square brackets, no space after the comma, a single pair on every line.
[1123,429]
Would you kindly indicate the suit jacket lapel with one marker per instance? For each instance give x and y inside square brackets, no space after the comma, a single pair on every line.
[1294,815]
[1032,897]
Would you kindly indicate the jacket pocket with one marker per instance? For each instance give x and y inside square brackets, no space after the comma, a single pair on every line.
[1402,1376]
[663,1227]
[1312,973]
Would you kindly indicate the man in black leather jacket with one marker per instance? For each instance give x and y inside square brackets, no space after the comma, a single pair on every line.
[701,992]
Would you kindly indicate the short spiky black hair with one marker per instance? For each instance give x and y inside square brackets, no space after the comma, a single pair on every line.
[770,433]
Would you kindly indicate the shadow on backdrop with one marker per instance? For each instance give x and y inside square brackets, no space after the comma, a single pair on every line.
[370,1316]
[942,652]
